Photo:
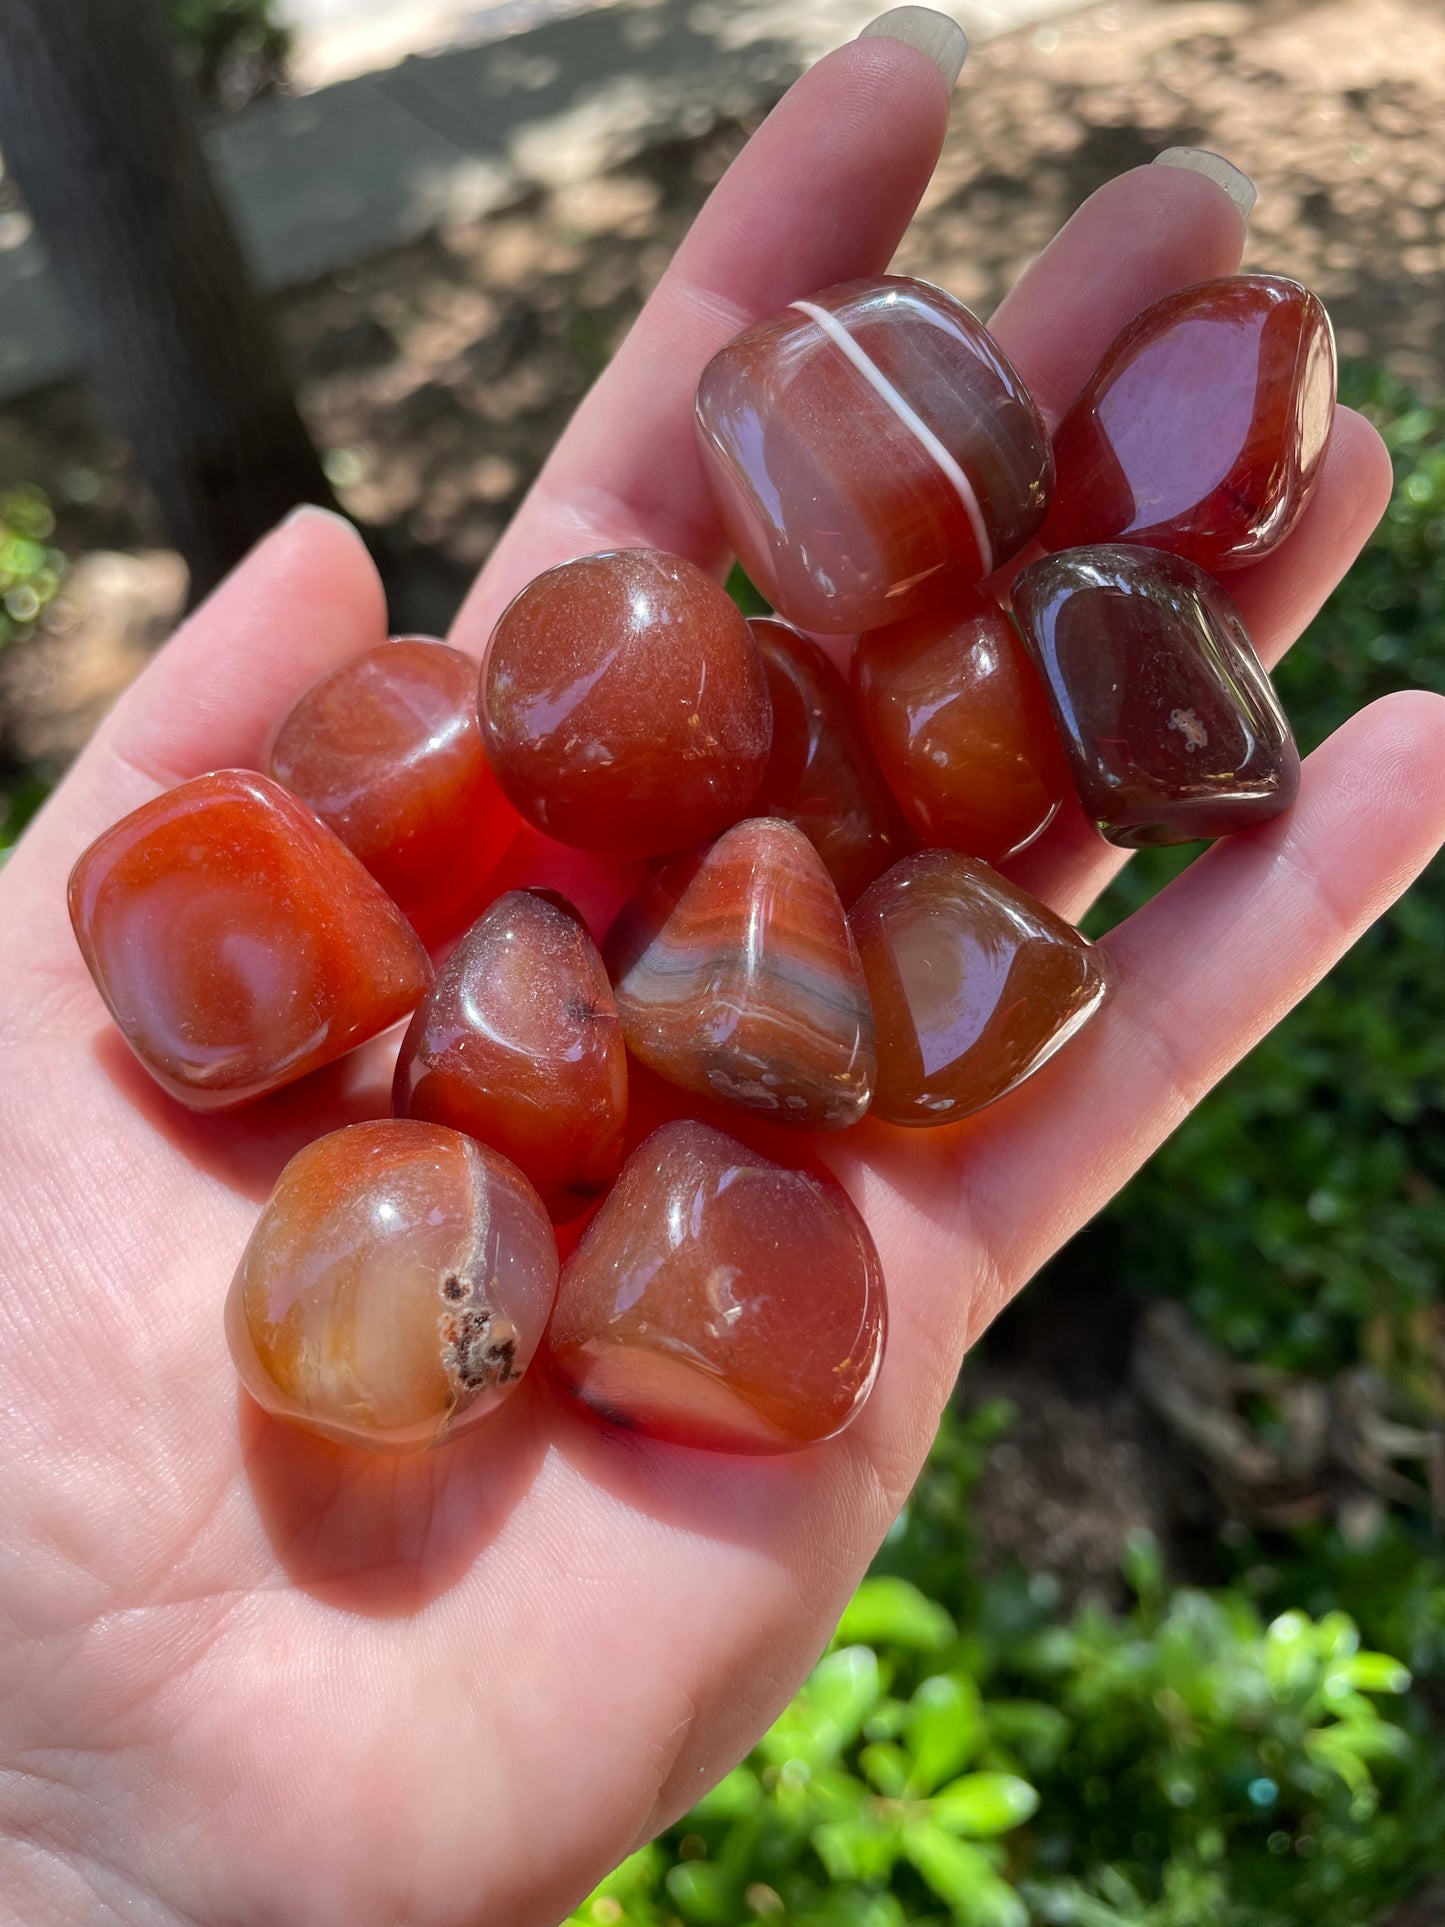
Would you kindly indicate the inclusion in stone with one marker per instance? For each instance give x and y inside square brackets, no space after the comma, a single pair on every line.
[1171,726]
[395,1288]
[974,985]
[237,943]
[624,707]
[821,774]
[961,727]
[720,1300]
[518,1044]
[737,978]
[871,451]
[386,750]
[1202,429]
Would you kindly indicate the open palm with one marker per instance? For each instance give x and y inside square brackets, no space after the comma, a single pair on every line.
[248,1677]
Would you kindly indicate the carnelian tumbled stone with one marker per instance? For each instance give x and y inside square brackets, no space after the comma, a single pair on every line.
[821,774]
[974,985]
[387,752]
[237,943]
[871,451]
[960,724]
[737,978]
[395,1288]
[1202,429]
[624,706]
[720,1300]
[1171,725]
[518,1044]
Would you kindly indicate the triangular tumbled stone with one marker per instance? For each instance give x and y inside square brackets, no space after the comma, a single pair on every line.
[737,978]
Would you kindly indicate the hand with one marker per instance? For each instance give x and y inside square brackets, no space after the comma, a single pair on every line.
[248,1677]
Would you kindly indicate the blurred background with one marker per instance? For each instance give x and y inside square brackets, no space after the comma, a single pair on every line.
[1160,1639]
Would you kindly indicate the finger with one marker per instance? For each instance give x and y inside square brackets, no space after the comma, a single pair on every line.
[1278,597]
[821,193]
[1205,970]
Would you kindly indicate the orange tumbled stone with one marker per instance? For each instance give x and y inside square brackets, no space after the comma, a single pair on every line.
[387,751]
[720,1300]
[960,724]
[518,1044]
[624,708]
[737,978]
[237,943]
[395,1288]
[974,985]
[821,774]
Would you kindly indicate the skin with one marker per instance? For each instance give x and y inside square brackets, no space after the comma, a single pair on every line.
[245,1676]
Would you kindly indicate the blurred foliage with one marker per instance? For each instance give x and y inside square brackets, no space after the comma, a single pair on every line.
[30,569]
[965,1753]
[232,50]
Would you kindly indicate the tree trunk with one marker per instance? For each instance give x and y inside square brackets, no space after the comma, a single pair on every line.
[101,138]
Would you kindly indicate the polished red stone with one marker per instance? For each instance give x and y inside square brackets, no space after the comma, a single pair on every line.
[237,942]
[387,752]
[961,727]
[821,774]
[720,1300]
[624,706]
[395,1288]
[1203,427]
[518,1044]
[736,978]
[871,452]
[974,985]
[1172,728]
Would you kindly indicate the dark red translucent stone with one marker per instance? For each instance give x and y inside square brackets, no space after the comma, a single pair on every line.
[720,1300]
[624,706]
[518,1044]
[821,774]
[386,750]
[1172,728]
[961,727]
[237,942]
[1203,427]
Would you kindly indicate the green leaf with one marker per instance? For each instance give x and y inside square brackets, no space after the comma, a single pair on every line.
[891,1612]
[984,1803]
[844,1687]
[945,1725]
[962,1875]
[886,1767]
[1376,1673]
[704,1893]
[862,1849]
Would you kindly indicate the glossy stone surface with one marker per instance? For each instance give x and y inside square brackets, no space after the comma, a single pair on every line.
[1202,429]
[974,985]
[737,978]
[387,752]
[961,728]
[624,706]
[871,451]
[395,1288]
[518,1044]
[237,943]
[1172,728]
[720,1300]
[821,775]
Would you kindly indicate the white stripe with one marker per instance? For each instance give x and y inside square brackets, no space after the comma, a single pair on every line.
[882,387]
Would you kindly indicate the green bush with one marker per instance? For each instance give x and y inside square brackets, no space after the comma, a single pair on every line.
[233,50]
[30,568]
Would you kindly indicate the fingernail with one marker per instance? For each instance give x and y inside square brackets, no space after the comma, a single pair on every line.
[1235,182]
[934,34]
[313,512]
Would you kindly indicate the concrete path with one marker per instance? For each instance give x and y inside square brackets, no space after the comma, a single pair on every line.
[502,98]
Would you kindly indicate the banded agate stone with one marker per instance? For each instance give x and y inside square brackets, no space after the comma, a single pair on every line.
[821,775]
[1203,428]
[395,1288]
[737,979]
[237,943]
[386,750]
[974,985]
[624,707]
[871,451]
[1172,728]
[720,1300]
[961,727]
[518,1044]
